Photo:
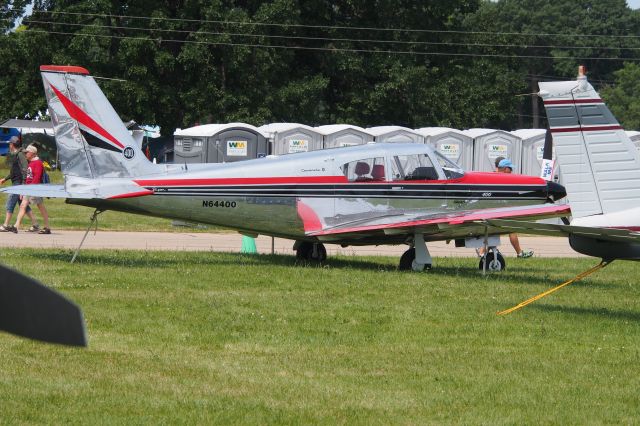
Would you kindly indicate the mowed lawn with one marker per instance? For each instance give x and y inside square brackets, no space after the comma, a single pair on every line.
[237,339]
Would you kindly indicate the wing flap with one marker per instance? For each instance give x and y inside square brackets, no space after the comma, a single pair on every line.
[413,223]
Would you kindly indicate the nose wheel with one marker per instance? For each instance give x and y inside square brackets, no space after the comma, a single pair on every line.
[494,260]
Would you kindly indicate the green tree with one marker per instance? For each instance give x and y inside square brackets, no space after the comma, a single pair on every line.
[623,98]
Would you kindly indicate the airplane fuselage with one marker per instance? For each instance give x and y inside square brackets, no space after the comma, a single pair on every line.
[293,196]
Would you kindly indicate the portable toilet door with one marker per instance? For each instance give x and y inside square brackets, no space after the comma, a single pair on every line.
[290,138]
[232,142]
[341,135]
[532,150]
[489,144]
[188,148]
[451,143]
[394,134]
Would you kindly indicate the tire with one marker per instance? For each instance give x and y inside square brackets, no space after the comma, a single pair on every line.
[406,260]
[305,251]
[495,262]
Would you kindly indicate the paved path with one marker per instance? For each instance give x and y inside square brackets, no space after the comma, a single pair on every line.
[231,242]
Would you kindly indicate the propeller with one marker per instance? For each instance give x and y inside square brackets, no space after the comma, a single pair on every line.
[29,309]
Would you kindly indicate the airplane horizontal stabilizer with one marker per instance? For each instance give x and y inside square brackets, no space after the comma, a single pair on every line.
[97,192]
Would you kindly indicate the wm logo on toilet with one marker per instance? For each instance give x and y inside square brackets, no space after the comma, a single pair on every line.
[237,148]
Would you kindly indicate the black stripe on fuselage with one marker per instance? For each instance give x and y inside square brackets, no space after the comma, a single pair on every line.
[530,192]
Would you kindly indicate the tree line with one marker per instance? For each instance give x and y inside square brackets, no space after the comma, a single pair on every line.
[453,63]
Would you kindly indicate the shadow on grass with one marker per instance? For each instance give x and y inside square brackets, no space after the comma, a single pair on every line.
[526,275]
[598,312]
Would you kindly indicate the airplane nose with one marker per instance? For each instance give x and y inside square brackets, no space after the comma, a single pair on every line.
[555,191]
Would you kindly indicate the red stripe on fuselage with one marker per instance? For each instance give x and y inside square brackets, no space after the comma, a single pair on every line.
[471,178]
[83,118]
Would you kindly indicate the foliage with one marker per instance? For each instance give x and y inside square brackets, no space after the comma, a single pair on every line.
[623,98]
[452,63]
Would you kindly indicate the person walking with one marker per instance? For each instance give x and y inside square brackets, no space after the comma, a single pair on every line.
[34,176]
[17,175]
[506,166]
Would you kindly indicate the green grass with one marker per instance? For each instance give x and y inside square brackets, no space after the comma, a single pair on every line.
[225,338]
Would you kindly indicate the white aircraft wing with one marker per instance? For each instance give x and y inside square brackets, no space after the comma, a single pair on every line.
[603,234]
[447,226]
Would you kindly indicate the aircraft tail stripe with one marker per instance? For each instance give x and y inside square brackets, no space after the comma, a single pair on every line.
[584,129]
[572,101]
[83,118]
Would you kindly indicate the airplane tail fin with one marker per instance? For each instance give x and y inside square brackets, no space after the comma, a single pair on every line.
[92,141]
[600,165]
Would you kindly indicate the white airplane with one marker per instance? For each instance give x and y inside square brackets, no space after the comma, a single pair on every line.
[365,195]
[600,169]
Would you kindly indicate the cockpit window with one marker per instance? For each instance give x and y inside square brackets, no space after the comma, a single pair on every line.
[416,167]
[451,169]
[365,170]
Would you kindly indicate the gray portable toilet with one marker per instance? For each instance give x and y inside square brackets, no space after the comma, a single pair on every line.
[532,150]
[289,138]
[341,135]
[394,134]
[635,137]
[489,144]
[451,143]
[219,143]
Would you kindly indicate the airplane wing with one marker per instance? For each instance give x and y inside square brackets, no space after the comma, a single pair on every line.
[447,226]
[603,234]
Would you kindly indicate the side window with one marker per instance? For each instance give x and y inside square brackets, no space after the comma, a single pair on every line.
[451,170]
[365,170]
[417,167]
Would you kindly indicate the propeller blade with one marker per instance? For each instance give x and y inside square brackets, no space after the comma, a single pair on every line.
[29,309]
[546,172]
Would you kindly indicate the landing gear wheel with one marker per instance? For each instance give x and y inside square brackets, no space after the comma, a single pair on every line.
[495,262]
[408,262]
[311,252]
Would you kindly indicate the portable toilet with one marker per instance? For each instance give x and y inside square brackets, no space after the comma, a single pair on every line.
[219,143]
[635,137]
[341,135]
[489,144]
[289,138]
[394,134]
[451,143]
[532,150]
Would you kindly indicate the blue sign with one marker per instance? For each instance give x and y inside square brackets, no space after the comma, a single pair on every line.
[5,135]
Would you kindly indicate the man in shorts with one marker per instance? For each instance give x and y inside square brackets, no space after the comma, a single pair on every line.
[17,174]
[34,176]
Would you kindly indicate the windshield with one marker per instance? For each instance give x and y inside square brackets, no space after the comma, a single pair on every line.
[451,169]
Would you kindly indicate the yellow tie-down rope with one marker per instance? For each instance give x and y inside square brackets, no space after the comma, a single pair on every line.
[578,277]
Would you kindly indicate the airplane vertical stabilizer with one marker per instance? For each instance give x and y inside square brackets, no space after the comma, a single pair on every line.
[600,165]
[92,140]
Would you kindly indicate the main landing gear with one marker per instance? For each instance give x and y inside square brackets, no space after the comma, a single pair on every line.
[310,252]
[494,261]
[417,258]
